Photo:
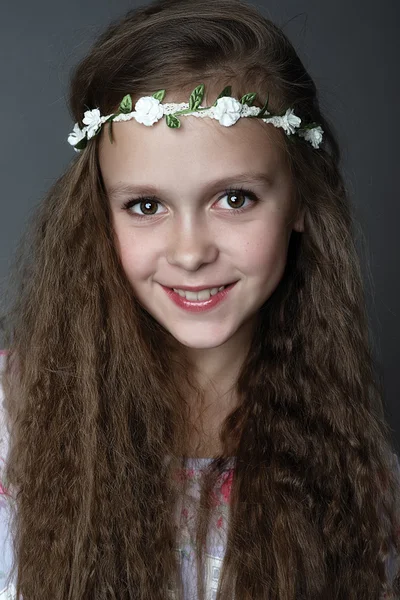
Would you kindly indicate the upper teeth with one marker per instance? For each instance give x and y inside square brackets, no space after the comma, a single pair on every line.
[203,295]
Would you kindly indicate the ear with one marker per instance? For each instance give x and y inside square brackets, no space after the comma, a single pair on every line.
[298,224]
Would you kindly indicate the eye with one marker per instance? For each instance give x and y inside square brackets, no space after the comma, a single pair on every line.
[237,196]
[236,202]
[143,203]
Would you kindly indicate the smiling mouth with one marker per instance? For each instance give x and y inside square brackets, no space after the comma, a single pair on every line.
[198,301]
[201,288]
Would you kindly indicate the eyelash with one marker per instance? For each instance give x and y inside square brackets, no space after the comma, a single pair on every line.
[141,199]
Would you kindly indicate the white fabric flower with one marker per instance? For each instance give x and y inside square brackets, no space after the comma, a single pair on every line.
[227,111]
[314,136]
[288,121]
[148,110]
[93,121]
[76,135]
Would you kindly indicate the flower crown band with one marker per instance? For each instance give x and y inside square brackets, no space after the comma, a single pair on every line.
[226,110]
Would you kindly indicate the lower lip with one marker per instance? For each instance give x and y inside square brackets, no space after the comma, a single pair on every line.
[199,305]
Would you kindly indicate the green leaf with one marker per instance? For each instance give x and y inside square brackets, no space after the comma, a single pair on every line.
[159,95]
[196,97]
[81,144]
[126,104]
[264,108]
[227,91]
[172,121]
[248,99]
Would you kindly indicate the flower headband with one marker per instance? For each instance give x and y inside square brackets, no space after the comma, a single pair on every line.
[226,110]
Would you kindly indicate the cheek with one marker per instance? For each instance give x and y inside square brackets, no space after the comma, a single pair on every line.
[134,253]
[264,253]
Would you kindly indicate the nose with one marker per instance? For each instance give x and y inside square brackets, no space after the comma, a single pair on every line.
[191,244]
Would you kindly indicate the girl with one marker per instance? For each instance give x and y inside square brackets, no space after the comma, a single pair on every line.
[165,442]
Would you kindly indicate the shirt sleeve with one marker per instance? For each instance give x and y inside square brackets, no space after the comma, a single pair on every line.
[7,592]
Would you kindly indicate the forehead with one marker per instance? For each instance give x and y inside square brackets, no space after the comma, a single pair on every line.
[198,150]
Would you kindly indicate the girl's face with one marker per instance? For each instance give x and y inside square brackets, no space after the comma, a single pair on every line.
[194,233]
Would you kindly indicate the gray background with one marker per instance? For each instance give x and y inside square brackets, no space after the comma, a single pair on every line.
[349,48]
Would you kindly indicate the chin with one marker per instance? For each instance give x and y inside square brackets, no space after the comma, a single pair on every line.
[201,342]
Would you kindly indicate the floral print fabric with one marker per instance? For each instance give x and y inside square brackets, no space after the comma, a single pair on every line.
[216,541]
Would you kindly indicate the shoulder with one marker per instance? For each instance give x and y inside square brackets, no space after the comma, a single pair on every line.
[4,435]
[3,440]
[7,590]
[3,427]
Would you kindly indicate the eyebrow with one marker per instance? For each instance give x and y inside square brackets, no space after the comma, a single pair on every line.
[120,189]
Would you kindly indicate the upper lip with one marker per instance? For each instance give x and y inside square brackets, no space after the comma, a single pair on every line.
[198,288]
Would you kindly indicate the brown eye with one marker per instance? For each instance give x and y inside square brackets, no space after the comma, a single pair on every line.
[236,199]
[145,206]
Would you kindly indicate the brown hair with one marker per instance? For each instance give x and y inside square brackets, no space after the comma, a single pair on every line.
[96,389]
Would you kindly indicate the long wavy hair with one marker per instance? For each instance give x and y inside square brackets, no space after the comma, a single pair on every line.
[96,389]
